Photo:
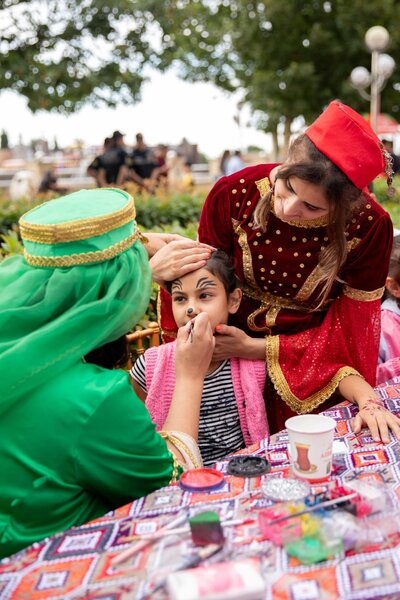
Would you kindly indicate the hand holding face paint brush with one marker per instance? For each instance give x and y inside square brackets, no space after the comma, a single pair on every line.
[194,349]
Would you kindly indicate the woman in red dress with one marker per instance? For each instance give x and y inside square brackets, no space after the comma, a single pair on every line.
[311,248]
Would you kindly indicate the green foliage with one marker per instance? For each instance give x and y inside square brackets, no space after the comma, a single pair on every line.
[389,203]
[63,53]
[287,59]
[10,244]
[172,212]
[12,210]
[290,58]
[179,209]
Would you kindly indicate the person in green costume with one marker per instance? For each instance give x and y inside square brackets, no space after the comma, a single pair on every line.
[75,441]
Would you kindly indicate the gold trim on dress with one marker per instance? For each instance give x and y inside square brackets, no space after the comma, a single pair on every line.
[70,260]
[80,229]
[270,317]
[362,295]
[309,285]
[282,387]
[305,223]
[247,258]
[314,279]
[266,298]
[263,186]
[351,244]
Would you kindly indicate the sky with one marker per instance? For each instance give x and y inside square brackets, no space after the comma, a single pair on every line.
[169,110]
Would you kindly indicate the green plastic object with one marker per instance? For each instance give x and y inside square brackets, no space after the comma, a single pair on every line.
[206,529]
[309,550]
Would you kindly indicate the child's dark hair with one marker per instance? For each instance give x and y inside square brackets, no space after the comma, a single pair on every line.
[220,265]
[112,355]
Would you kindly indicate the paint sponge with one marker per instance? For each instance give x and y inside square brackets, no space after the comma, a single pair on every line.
[206,529]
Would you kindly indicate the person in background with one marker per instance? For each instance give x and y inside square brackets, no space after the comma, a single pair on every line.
[93,168]
[232,411]
[50,183]
[311,249]
[223,162]
[187,182]
[389,349]
[234,163]
[75,441]
[111,162]
[142,159]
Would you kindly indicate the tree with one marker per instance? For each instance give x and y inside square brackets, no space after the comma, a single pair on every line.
[63,53]
[288,58]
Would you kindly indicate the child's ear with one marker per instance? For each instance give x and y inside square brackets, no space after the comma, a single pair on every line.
[393,287]
[234,300]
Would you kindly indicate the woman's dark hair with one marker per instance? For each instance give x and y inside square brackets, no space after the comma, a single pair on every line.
[112,355]
[306,162]
[220,265]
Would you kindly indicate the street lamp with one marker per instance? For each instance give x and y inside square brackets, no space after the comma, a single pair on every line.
[382,66]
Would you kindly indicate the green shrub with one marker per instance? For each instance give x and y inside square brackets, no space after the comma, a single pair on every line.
[180,209]
[389,203]
[12,210]
[161,210]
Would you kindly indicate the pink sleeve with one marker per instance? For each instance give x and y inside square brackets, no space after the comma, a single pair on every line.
[388,370]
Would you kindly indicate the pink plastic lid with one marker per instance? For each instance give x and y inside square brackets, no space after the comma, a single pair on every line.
[201,480]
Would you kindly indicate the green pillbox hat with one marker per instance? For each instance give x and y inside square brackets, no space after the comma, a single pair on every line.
[89,226]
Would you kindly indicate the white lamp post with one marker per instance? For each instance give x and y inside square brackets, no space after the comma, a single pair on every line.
[382,66]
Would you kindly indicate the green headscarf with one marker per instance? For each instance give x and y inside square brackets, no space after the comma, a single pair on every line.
[84,280]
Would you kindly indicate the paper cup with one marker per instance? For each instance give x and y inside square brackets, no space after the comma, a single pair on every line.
[310,441]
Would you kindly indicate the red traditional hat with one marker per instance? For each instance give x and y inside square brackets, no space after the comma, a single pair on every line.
[349,142]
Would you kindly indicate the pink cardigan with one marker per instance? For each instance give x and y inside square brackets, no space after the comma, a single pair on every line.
[248,378]
[389,350]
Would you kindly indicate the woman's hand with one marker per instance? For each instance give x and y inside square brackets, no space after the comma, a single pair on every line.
[177,257]
[372,412]
[378,419]
[194,348]
[156,241]
[231,341]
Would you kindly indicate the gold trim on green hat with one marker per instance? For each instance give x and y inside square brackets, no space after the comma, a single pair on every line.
[71,260]
[80,229]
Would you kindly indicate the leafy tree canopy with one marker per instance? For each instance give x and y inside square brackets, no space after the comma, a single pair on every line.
[63,53]
[289,57]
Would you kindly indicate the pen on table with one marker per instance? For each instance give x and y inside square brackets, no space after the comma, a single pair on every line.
[315,507]
[192,561]
[178,530]
[132,550]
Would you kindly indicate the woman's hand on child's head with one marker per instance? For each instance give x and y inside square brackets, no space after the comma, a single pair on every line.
[177,258]
[232,341]
[378,419]
[194,347]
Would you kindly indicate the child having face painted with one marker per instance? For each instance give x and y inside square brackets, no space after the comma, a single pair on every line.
[232,412]
[389,347]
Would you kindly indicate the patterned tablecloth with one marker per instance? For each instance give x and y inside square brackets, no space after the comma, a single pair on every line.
[75,564]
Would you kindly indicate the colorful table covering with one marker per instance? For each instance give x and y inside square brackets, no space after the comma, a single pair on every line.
[75,564]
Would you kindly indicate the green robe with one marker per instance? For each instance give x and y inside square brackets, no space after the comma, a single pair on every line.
[71,450]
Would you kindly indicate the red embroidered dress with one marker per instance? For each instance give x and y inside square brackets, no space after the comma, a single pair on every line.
[307,352]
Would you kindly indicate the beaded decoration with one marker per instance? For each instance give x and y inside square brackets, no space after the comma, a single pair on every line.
[388,169]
